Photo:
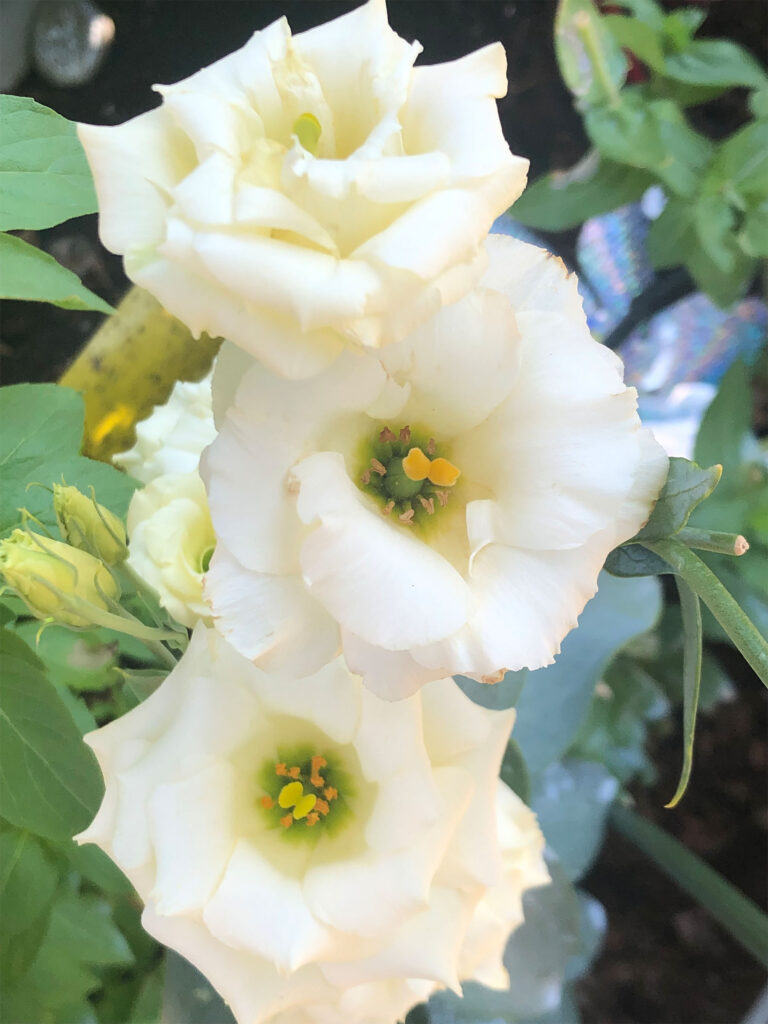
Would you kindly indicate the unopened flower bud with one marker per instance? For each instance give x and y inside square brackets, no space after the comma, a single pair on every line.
[55,580]
[87,525]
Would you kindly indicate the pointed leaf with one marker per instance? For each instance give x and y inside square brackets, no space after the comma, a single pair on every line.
[32,275]
[691,611]
[686,487]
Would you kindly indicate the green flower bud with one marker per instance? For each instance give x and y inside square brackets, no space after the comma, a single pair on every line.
[56,581]
[86,524]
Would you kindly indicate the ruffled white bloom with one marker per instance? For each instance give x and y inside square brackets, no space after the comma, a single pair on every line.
[319,854]
[316,181]
[329,538]
[172,438]
[171,541]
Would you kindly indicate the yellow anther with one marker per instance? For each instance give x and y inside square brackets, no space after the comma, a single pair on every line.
[290,794]
[304,806]
[416,465]
[443,473]
[308,130]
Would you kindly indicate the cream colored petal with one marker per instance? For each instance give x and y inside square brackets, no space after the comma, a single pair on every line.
[134,166]
[391,675]
[269,619]
[454,725]
[371,894]
[194,831]
[205,305]
[379,581]
[461,364]
[258,909]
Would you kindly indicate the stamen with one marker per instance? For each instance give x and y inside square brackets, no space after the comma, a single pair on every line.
[312,818]
[387,435]
[442,497]
[431,446]
[304,806]
[405,435]
[267,802]
[287,821]
[322,807]
[443,473]
[330,793]
[318,762]
[366,477]
[280,768]
[290,794]
[428,504]
[294,772]
[407,517]
[416,465]
[378,467]
[388,508]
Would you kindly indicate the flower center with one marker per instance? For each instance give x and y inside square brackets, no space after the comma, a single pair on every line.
[306,793]
[408,476]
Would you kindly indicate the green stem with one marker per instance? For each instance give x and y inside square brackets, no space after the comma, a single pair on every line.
[720,602]
[713,540]
[731,908]
[161,652]
[586,31]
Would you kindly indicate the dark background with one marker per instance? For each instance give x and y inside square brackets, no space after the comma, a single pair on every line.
[665,961]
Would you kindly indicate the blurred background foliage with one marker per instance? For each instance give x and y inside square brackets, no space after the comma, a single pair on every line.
[597,730]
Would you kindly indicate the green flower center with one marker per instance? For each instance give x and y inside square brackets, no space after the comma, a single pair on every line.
[306,794]
[407,474]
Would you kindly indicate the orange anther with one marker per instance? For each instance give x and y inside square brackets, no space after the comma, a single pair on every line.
[330,793]
[287,821]
[267,802]
[280,768]
[312,818]
[294,771]
[322,807]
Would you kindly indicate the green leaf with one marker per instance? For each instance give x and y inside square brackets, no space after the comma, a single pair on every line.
[555,701]
[718,62]
[17,953]
[740,166]
[646,11]
[571,799]
[141,683]
[681,25]
[32,275]
[638,37]
[188,996]
[591,62]
[687,485]
[651,134]
[514,771]
[495,696]
[51,783]
[80,661]
[28,881]
[565,199]
[41,427]
[724,288]
[671,237]
[85,924]
[634,560]
[714,219]
[753,236]
[94,866]
[758,103]
[691,611]
[626,701]
[726,426]
[44,173]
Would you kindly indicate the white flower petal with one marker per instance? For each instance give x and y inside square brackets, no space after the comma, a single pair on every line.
[391,675]
[376,579]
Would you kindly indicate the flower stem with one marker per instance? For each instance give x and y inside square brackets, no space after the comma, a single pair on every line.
[714,540]
[731,908]
[720,602]
[586,31]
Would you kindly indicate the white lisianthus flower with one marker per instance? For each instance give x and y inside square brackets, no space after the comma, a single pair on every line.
[171,541]
[310,190]
[172,438]
[443,508]
[319,854]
